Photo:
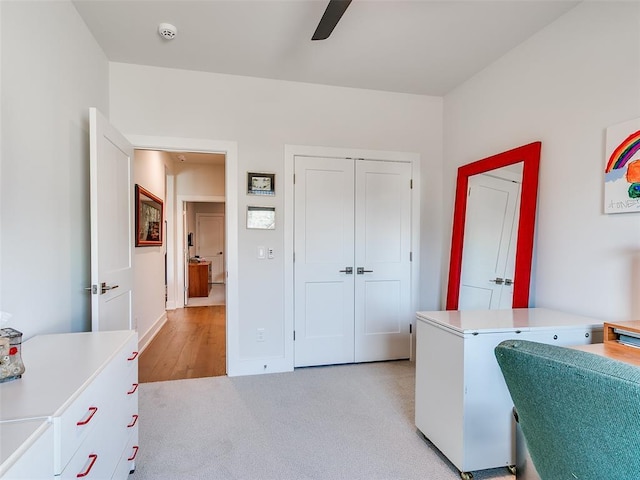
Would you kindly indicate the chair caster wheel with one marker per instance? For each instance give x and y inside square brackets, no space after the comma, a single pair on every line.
[512,469]
[466,475]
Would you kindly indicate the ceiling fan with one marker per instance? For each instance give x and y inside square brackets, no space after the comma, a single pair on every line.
[330,18]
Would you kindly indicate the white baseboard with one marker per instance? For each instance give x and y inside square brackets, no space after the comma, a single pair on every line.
[171,305]
[145,339]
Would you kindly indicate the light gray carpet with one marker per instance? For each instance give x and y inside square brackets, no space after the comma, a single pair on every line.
[339,422]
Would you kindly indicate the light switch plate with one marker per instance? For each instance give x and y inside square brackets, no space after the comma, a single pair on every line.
[262,252]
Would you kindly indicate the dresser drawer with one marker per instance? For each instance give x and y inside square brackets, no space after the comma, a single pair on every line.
[125,374]
[95,459]
[75,424]
[101,405]
[127,462]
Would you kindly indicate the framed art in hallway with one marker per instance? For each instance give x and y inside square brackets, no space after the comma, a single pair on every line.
[148,218]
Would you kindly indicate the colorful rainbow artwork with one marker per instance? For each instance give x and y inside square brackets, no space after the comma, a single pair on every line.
[623,153]
[622,170]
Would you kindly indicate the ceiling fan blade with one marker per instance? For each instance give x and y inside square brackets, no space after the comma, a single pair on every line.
[330,18]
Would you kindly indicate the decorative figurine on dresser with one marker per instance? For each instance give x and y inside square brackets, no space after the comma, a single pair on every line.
[11,365]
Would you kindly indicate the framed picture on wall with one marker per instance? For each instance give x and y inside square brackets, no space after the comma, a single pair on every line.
[261,183]
[261,218]
[148,218]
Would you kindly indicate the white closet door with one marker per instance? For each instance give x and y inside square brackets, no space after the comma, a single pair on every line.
[323,246]
[382,249]
[491,213]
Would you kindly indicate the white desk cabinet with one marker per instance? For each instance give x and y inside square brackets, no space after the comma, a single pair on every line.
[75,410]
[462,403]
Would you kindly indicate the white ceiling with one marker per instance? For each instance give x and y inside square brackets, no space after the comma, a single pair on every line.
[419,46]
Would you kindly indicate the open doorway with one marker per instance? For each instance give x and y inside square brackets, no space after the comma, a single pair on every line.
[205,259]
[192,341]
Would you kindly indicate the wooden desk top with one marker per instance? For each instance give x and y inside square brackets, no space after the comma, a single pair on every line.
[614,351]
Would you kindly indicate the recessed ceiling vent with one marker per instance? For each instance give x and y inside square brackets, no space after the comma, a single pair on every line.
[167,31]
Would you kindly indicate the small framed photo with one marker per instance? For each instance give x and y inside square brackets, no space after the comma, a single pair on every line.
[261,183]
[261,218]
[148,218]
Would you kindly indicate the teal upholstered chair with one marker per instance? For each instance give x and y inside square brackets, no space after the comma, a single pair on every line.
[579,412]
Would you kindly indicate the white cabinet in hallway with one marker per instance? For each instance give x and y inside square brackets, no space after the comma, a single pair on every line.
[74,413]
[352,269]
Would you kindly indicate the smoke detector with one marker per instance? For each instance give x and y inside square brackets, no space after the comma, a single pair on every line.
[167,31]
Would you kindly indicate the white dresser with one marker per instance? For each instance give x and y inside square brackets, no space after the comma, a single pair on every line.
[462,403]
[74,413]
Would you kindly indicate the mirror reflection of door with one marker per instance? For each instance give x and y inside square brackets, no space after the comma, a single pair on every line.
[491,225]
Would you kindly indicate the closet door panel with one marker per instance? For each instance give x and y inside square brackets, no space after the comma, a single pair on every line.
[323,246]
[382,251]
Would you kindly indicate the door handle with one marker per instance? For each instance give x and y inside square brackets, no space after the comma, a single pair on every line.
[347,270]
[508,282]
[104,287]
[362,271]
[498,281]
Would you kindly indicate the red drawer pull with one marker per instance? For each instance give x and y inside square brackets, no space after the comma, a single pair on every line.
[93,458]
[135,453]
[133,421]
[133,356]
[133,390]
[93,411]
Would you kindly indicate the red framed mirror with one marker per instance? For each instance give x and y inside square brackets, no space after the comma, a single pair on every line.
[529,155]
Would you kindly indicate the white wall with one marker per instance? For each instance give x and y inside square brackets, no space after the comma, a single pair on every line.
[149,287]
[263,116]
[52,72]
[199,179]
[564,86]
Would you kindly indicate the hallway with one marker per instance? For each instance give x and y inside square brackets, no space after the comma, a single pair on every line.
[217,292]
[191,344]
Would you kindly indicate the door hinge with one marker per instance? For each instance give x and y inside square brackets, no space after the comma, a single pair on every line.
[294,257]
[294,178]
[410,328]
[294,335]
[411,184]
[411,256]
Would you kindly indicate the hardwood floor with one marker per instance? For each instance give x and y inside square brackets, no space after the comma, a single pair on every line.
[191,344]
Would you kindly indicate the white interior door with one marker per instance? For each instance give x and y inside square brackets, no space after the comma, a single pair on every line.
[382,253]
[210,242]
[352,270]
[323,246]
[111,190]
[489,226]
